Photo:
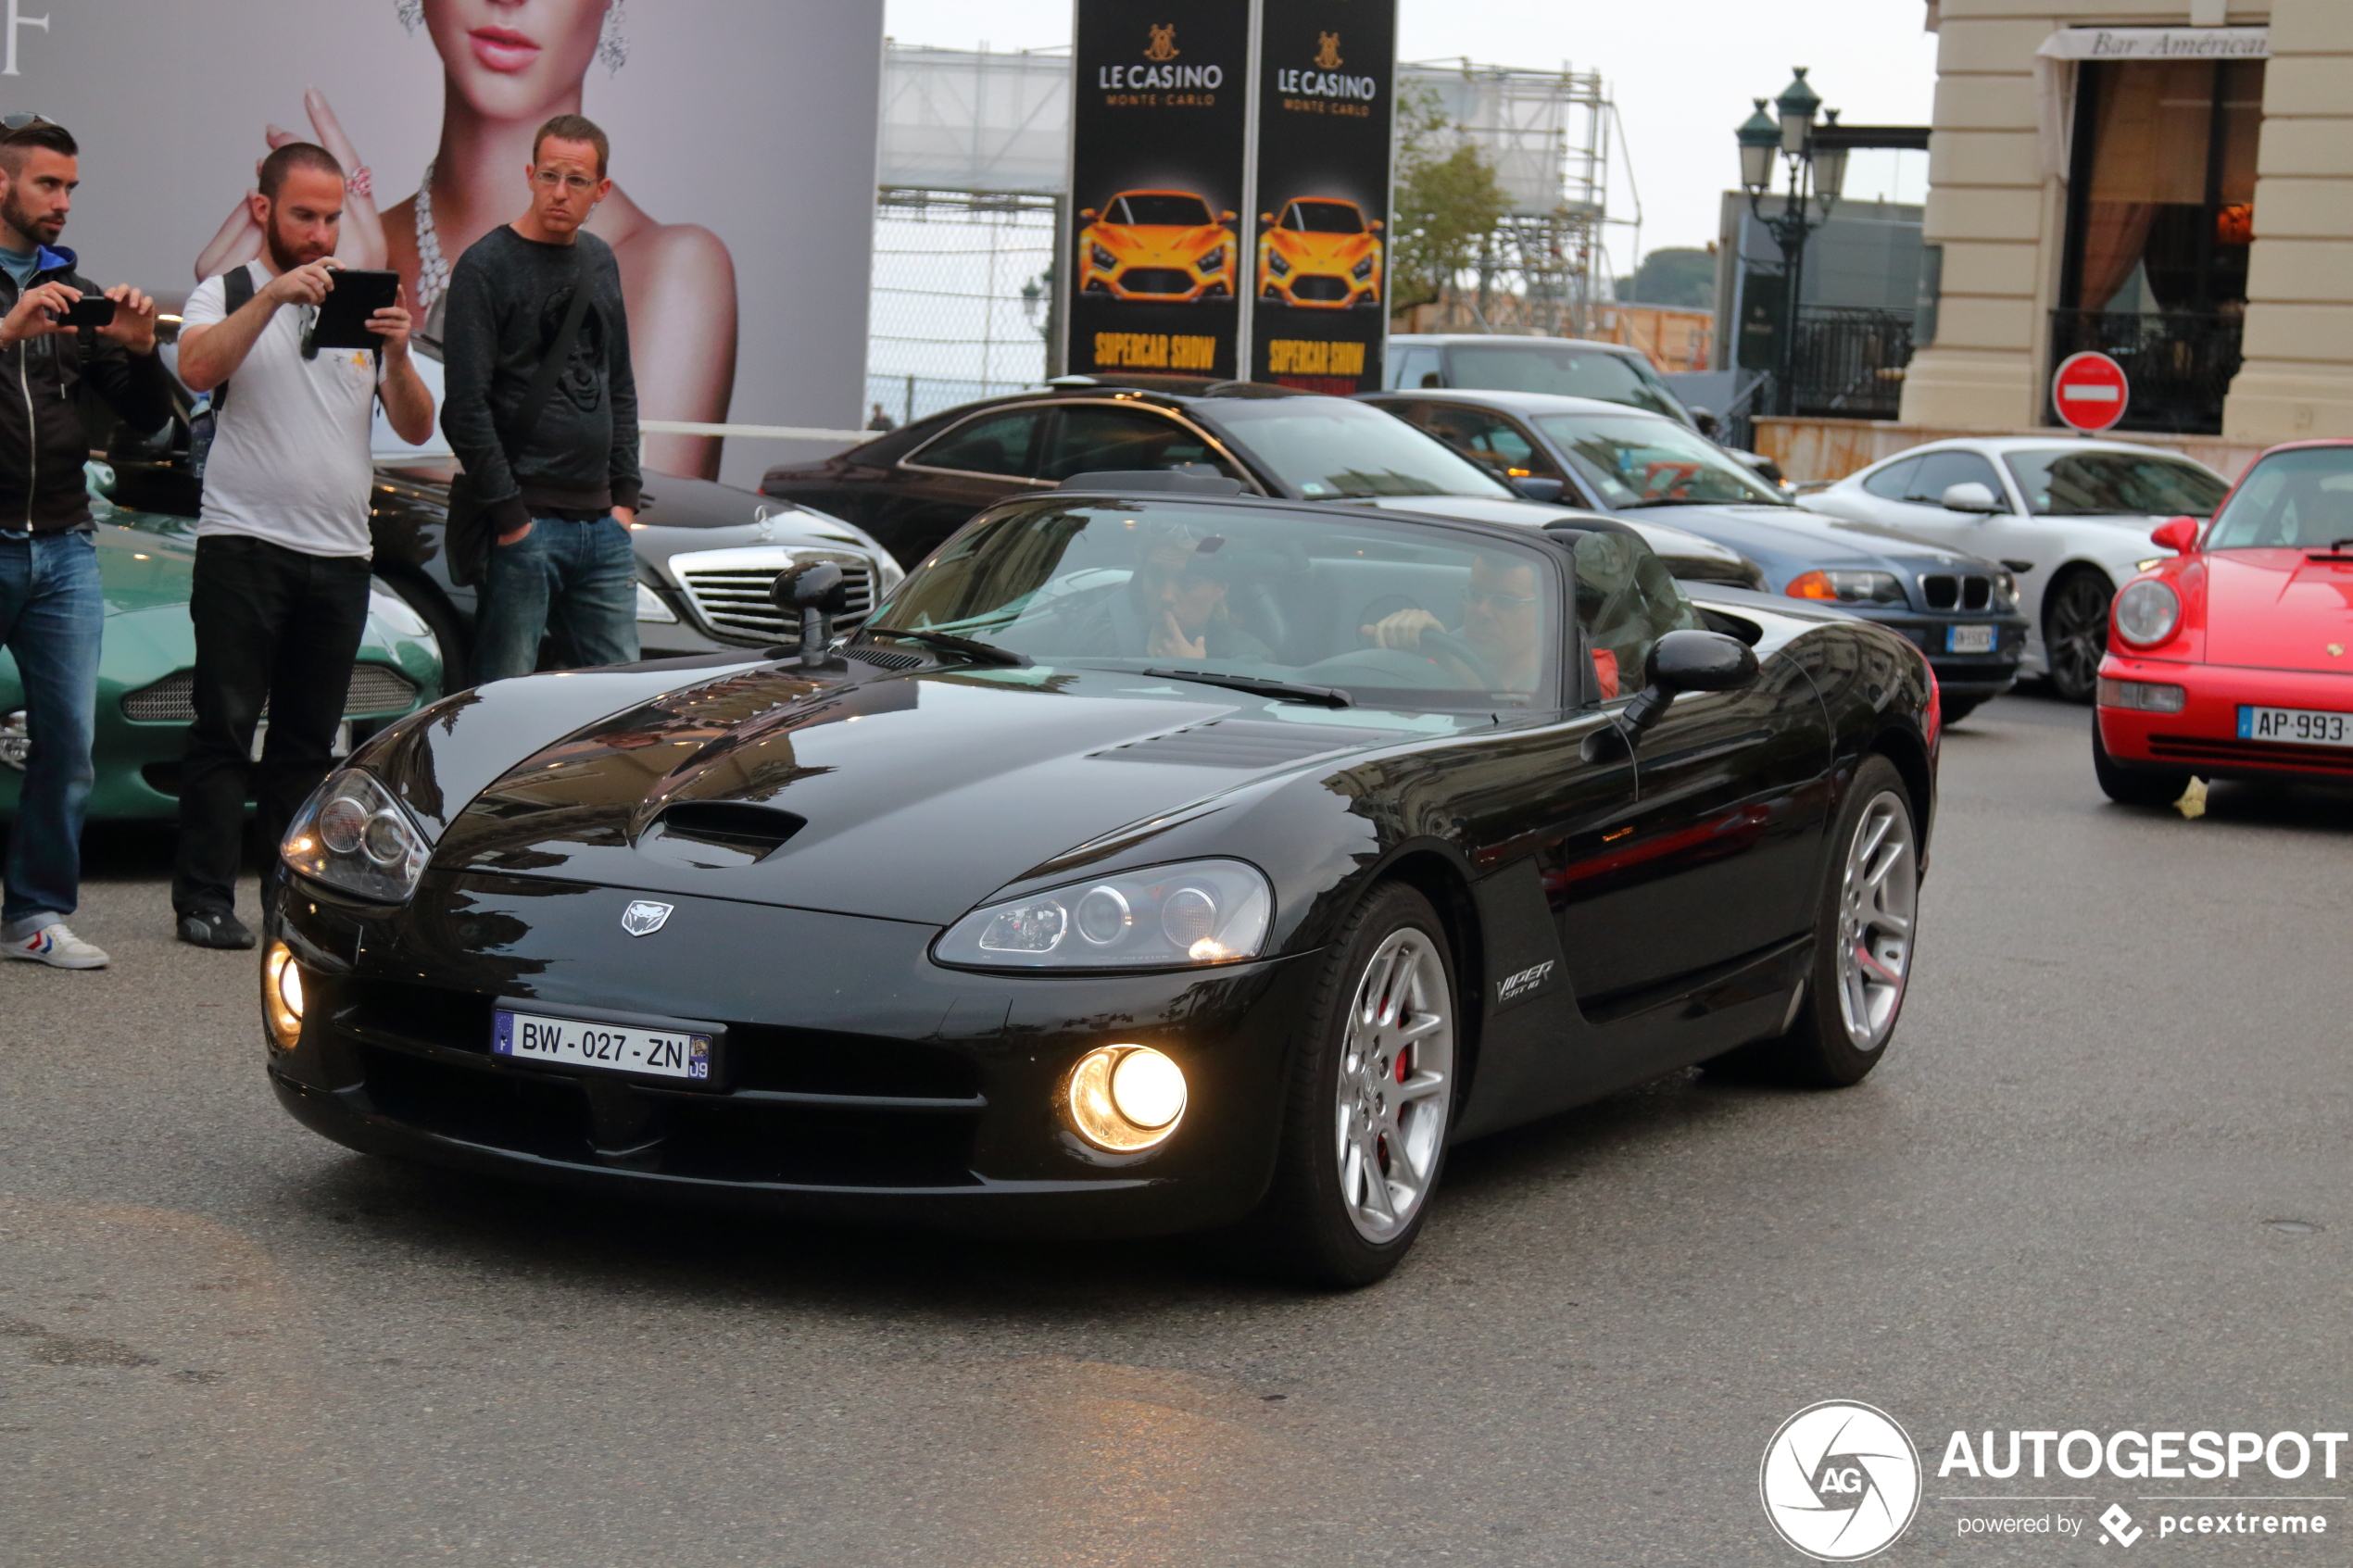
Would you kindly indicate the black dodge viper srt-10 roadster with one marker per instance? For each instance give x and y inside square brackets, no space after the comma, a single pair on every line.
[1154,859]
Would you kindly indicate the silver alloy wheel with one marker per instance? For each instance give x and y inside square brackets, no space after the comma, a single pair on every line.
[1396,1085]
[1877,903]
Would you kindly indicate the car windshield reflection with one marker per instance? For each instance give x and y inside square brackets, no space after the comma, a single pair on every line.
[1633,461]
[2062,483]
[2293,501]
[1326,449]
[1394,615]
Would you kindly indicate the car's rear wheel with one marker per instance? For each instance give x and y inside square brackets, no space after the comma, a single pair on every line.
[2075,633]
[1372,1095]
[1862,941]
[2129,784]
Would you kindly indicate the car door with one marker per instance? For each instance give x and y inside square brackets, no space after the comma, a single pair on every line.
[1416,366]
[971,464]
[1921,510]
[1718,861]
[1113,437]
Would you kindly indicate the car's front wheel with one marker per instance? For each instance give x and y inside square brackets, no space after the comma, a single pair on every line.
[1372,1094]
[2129,784]
[2075,633]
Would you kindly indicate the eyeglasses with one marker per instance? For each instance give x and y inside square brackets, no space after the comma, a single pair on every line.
[578,185]
[1500,601]
[15,122]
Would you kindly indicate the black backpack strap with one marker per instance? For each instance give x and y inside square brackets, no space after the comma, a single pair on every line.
[542,381]
[236,285]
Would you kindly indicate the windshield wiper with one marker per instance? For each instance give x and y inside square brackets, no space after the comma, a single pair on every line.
[1260,686]
[948,642]
[1695,501]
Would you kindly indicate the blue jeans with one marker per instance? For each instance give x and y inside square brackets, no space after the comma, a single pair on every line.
[577,581]
[51,613]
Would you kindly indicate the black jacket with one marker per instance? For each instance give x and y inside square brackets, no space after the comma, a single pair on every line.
[43,442]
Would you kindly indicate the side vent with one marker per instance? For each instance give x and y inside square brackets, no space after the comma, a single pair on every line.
[717,834]
[1241,742]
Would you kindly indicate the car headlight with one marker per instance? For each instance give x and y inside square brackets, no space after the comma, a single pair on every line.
[353,836]
[1277,264]
[651,607]
[2004,590]
[1361,270]
[281,997]
[2147,612]
[1101,258]
[1215,261]
[1163,917]
[1847,587]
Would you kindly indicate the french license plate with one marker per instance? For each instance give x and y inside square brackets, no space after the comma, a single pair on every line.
[2297,726]
[1969,639]
[607,1047]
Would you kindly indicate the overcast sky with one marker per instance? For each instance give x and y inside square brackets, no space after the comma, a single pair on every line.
[1682,73]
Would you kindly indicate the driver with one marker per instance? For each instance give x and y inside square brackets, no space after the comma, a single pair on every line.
[1172,606]
[1502,624]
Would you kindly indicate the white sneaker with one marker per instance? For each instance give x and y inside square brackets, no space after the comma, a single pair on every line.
[57,948]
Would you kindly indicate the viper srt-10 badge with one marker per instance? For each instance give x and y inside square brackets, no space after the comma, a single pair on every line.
[644,917]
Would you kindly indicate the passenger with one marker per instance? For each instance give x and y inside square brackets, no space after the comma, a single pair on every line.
[1172,607]
[1503,625]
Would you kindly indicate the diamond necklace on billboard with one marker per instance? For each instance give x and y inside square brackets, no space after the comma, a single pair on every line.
[1225,149]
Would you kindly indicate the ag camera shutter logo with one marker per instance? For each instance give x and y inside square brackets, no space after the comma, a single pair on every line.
[1841,1481]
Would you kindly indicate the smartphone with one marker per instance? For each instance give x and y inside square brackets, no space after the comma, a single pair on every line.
[96,310]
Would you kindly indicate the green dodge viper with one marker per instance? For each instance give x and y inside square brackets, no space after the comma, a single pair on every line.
[147,666]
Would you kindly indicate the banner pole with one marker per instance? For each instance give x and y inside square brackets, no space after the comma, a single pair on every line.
[1246,229]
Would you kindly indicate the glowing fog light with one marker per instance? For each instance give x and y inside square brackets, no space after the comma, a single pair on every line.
[1126,1097]
[281,996]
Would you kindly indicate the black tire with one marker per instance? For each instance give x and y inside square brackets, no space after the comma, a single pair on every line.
[2130,785]
[1953,709]
[1820,1050]
[2075,633]
[447,631]
[1304,1231]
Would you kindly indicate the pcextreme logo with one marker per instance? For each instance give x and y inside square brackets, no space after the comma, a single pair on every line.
[1841,1481]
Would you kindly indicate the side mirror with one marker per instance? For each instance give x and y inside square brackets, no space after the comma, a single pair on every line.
[813,592]
[1266,217]
[2177,535]
[1537,489]
[1971,496]
[1088,213]
[1374,226]
[1225,217]
[1687,662]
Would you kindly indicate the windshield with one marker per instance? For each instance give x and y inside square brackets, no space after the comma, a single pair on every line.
[1324,448]
[1565,370]
[2294,500]
[1323,218]
[1164,211]
[2063,483]
[1633,461]
[1396,614]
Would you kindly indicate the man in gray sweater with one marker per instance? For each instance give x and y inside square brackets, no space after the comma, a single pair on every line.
[561,502]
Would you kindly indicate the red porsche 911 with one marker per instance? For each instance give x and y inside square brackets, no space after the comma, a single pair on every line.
[2234,658]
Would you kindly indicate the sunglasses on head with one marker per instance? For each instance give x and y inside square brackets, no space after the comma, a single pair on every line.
[15,122]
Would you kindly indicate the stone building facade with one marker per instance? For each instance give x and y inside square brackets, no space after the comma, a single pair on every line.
[2168,180]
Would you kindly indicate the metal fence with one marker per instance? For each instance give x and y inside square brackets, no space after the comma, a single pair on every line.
[2180,363]
[1850,361]
[962,299]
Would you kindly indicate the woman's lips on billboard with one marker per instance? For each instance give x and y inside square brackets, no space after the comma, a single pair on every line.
[500,48]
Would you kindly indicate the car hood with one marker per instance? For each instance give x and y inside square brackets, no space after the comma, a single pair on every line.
[2278,609]
[1687,555]
[140,568]
[909,796]
[1786,540]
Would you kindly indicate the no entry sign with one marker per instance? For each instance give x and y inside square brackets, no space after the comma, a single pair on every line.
[2090,392]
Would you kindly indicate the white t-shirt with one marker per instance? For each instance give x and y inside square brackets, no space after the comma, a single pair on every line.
[289,459]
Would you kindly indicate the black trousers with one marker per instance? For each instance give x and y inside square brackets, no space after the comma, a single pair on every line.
[272,625]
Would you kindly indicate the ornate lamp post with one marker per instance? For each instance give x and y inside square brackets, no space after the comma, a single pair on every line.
[1817,174]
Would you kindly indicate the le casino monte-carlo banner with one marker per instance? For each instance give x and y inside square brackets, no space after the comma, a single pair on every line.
[1230,177]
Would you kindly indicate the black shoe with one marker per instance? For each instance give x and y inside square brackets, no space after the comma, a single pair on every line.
[214,928]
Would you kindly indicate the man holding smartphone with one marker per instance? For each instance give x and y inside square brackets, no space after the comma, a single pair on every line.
[280,599]
[50,608]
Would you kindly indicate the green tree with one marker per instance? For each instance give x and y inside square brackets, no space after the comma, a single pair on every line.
[1672,277]
[1448,201]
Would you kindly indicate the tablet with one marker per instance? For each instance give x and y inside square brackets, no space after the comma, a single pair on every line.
[358,295]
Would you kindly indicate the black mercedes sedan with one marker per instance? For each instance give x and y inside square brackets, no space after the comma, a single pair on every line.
[1155,859]
[913,487]
[1962,610]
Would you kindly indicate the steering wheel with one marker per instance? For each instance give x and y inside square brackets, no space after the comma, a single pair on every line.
[1460,651]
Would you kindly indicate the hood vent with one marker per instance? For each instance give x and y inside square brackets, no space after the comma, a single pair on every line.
[1241,742]
[718,834]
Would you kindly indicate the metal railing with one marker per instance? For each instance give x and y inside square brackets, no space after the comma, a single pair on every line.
[1850,361]
[2180,363]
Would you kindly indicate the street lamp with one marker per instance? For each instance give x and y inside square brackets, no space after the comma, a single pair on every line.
[1817,174]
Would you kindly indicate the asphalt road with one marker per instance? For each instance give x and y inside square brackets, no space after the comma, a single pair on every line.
[2101,1183]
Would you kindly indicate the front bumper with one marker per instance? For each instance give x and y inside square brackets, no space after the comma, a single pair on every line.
[2203,737]
[857,1079]
[1960,674]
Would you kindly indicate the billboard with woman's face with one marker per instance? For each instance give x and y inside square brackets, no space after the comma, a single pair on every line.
[743,162]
